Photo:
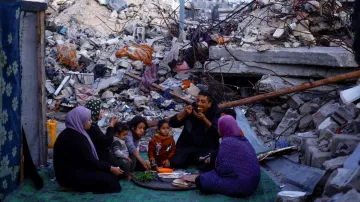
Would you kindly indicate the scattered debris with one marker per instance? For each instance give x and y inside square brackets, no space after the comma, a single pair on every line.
[133,57]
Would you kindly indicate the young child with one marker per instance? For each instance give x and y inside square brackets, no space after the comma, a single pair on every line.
[161,146]
[119,154]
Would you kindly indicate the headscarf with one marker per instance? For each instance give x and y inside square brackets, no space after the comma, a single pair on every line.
[228,127]
[94,106]
[76,119]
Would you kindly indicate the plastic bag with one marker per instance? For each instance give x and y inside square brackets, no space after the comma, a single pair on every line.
[117,5]
[173,54]
[137,52]
[67,55]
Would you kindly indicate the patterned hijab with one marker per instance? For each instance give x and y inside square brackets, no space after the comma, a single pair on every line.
[76,119]
[228,127]
[95,107]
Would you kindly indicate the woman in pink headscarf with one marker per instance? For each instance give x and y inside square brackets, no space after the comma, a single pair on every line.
[76,162]
[237,171]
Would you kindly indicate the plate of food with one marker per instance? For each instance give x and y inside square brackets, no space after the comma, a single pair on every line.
[170,175]
[190,177]
[181,183]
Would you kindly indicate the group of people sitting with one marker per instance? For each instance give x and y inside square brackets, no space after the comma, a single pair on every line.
[87,160]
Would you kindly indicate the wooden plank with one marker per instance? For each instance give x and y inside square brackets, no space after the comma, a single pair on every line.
[41,86]
[158,87]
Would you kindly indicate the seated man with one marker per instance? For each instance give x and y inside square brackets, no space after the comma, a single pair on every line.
[200,134]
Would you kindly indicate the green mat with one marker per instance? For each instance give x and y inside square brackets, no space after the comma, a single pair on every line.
[266,192]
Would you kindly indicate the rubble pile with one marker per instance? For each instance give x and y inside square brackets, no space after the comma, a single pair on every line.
[130,55]
[325,131]
[83,63]
[294,23]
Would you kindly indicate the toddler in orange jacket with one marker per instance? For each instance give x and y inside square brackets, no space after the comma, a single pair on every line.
[161,146]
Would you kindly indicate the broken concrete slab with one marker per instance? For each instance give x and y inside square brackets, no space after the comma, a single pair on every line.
[259,69]
[105,83]
[324,146]
[325,111]
[354,179]
[295,101]
[308,107]
[288,124]
[335,163]
[328,124]
[320,56]
[343,145]
[304,137]
[301,177]
[318,157]
[267,122]
[326,134]
[343,115]
[277,113]
[337,181]
[263,131]
[310,145]
[305,123]
[350,95]
[351,195]
[273,83]
[353,161]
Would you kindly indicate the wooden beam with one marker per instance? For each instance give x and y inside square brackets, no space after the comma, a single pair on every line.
[41,86]
[299,88]
[185,99]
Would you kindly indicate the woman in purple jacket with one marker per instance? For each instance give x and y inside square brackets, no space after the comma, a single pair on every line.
[237,171]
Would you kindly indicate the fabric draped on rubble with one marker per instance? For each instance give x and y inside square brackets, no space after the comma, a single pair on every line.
[165,101]
[67,55]
[149,77]
[242,121]
[137,52]
[10,89]
[83,93]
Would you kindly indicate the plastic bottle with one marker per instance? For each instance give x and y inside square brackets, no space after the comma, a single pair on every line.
[51,126]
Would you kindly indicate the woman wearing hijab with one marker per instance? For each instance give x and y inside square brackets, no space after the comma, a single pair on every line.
[237,171]
[76,162]
[101,141]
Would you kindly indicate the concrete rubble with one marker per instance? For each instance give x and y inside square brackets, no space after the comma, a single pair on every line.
[289,47]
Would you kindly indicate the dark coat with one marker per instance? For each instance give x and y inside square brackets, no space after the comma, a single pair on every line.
[72,152]
[77,168]
[102,142]
[195,134]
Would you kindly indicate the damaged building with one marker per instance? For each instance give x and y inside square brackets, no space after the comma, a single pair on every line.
[286,67]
